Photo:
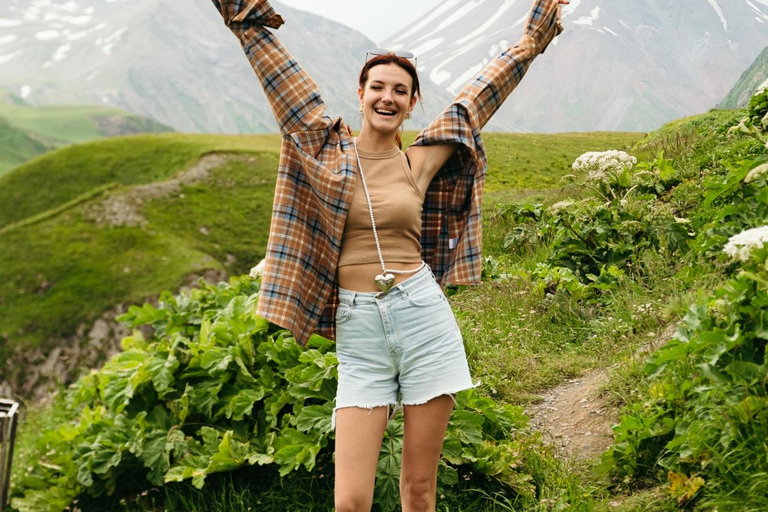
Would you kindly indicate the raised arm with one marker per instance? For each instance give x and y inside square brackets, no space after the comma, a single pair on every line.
[292,94]
[483,95]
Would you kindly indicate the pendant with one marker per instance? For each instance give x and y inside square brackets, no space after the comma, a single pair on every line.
[385,281]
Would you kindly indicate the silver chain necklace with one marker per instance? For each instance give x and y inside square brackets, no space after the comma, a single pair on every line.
[385,280]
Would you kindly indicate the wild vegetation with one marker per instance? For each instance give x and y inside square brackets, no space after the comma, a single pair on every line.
[575,277]
[113,232]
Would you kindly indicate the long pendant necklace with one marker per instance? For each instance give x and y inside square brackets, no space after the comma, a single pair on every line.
[385,280]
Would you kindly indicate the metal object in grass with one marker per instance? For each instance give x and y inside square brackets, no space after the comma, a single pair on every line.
[8,420]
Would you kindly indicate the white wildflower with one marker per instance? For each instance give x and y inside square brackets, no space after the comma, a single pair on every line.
[560,206]
[599,165]
[682,220]
[739,246]
[257,270]
[757,172]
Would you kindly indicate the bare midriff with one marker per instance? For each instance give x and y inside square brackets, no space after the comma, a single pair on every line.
[361,278]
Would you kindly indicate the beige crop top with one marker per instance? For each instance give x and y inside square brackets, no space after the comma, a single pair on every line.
[397,204]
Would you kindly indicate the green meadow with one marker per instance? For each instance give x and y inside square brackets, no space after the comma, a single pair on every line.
[584,271]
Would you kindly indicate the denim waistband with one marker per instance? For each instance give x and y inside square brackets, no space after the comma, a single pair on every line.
[420,278]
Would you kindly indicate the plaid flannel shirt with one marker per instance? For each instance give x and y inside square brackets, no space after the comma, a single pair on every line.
[318,168]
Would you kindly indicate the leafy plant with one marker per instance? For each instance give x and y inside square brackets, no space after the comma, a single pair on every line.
[709,400]
[218,388]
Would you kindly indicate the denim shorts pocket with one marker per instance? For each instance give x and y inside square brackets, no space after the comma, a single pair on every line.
[343,314]
[425,296]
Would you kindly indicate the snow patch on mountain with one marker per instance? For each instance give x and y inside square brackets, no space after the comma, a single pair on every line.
[47,35]
[719,12]
[569,9]
[456,16]
[8,39]
[429,45]
[6,58]
[464,77]
[757,11]
[429,18]
[594,15]
[61,52]
[482,29]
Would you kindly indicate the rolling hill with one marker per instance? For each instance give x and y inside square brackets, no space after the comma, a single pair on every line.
[132,216]
[17,146]
[27,131]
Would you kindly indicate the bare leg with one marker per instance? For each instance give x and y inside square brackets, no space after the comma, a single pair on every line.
[359,434]
[422,443]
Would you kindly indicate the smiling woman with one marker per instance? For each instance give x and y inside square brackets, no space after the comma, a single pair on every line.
[364,234]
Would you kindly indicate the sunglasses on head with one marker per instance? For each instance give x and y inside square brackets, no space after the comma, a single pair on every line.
[376,52]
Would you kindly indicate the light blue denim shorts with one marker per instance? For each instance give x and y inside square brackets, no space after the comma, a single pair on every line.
[401,346]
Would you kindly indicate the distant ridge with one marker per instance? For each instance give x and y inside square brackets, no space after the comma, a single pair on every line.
[27,131]
[17,145]
[747,85]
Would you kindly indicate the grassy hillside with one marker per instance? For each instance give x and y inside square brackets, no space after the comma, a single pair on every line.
[71,266]
[73,124]
[588,278]
[27,131]
[64,266]
[17,146]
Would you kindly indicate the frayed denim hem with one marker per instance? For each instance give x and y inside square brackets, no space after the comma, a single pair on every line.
[450,392]
[369,408]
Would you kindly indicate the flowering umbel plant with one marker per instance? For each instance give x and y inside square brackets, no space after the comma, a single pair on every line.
[741,246]
[604,165]
[606,172]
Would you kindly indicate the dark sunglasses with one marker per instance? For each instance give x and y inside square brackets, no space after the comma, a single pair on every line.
[381,51]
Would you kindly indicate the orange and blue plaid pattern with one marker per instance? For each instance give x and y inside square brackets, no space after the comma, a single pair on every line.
[318,168]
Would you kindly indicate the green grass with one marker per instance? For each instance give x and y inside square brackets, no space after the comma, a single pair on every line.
[56,178]
[17,146]
[68,269]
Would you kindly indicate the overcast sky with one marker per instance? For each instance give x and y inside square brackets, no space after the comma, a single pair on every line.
[374,18]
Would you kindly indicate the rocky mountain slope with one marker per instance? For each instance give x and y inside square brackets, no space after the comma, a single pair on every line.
[620,65]
[175,62]
[748,83]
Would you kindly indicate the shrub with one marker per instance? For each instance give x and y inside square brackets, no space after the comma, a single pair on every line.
[217,388]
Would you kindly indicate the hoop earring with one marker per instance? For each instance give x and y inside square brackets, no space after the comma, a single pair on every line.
[360,108]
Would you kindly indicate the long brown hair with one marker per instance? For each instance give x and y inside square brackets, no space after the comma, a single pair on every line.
[407,65]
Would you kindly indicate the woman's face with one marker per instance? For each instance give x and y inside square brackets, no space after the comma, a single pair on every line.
[387,98]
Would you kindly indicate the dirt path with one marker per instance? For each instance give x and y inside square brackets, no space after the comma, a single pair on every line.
[575,417]
[124,208]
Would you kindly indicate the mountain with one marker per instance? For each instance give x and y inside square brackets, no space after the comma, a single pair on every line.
[748,83]
[620,65]
[175,62]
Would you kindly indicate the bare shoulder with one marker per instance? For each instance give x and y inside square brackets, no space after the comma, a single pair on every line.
[426,161]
